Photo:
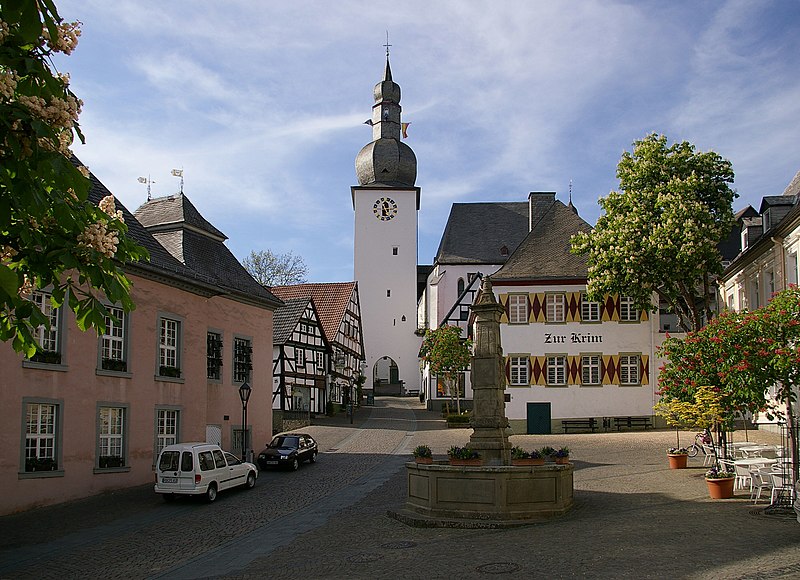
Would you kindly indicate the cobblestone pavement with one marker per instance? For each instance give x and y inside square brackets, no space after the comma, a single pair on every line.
[633,517]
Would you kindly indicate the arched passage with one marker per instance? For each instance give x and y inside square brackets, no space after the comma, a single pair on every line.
[386,377]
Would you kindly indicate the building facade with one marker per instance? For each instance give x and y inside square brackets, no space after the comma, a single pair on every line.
[89,413]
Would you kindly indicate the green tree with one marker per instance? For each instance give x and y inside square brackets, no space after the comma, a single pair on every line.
[51,236]
[660,232]
[276,269]
[447,356]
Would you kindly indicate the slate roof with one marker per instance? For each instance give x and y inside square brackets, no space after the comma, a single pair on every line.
[286,318]
[545,254]
[476,232]
[330,298]
[794,185]
[159,257]
[193,242]
[175,209]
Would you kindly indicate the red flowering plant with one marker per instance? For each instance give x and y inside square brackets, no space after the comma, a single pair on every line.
[740,356]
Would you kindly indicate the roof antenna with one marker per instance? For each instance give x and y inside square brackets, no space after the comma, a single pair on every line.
[179,173]
[387,45]
[148,181]
[570,192]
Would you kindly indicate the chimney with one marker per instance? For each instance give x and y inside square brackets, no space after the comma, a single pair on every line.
[538,203]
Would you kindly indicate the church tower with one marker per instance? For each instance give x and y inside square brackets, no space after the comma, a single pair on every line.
[386,203]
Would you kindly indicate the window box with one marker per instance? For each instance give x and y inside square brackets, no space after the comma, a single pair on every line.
[47,357]
[165,371]
[43,464]
[110,364]
[111,461]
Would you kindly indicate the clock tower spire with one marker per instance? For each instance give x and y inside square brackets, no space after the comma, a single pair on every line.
[386,160]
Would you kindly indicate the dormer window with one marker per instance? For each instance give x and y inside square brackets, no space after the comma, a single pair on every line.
[504,251]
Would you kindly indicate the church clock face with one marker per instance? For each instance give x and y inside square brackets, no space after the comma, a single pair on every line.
[384,209]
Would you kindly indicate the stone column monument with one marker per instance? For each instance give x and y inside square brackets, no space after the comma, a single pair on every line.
[489,422]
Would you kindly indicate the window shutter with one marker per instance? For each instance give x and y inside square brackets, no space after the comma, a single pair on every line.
[508,370]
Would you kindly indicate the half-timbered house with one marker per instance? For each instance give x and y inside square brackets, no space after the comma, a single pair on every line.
[301,355]
[340,313]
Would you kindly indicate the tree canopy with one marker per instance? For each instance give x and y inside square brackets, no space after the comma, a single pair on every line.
[271,269]
[660,231]
[51,237]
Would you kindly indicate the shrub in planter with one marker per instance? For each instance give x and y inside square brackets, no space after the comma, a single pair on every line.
[111,364]
[547,451]
[521,457]
[109,461]
[463,456]
[166,371]
[561,455]
[422,454]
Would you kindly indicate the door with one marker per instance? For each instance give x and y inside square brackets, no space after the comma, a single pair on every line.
[214,434]
[538,419]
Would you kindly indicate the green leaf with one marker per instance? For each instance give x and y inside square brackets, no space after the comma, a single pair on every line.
[9,282]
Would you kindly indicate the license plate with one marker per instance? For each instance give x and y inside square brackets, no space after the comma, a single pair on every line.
[271,462]
[169,480]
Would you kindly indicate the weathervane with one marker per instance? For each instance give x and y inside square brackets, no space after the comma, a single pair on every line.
[179,173]
[148,181]
[387,45]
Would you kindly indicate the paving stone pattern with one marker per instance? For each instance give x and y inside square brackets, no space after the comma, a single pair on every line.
[633,518]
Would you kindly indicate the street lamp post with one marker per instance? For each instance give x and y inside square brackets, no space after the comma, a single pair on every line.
[244,395]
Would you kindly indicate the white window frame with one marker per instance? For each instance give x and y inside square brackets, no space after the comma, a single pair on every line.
[590,310]
[41,436]
[319,360]
[627,311]
[169,343]
[629,369]
[518,370]
[167,427]
[555,307]
[112,427]
[299,357]
[556,370]
[48,339]
[518,309]
[591,370]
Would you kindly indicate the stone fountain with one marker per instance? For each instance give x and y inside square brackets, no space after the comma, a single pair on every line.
[495,494]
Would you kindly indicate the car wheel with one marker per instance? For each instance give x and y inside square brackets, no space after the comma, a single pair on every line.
[313,458]
[295,464]
[251,480]
[211,493]
[168,497]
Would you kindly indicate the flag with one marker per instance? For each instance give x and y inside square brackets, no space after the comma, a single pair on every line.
[404,127]
[177,172]
[368,122]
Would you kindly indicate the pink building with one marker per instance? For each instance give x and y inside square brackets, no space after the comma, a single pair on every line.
[89,414]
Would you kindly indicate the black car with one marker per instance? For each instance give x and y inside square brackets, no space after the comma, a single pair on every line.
[288,450]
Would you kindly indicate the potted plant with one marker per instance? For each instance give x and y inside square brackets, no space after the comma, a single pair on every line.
[547,452]
[720,482]
[463,456]
[561,455]
[422,454]
[678,456]
[521,457]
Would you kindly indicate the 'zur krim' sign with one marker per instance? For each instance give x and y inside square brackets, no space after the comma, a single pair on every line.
[574,338]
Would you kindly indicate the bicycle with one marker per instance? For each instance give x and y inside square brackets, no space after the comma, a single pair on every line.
[700,439]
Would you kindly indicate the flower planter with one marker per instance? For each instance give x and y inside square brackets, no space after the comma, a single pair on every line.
[425,460]
[472,462]
[528,461]
[561,460]
[678,460]
[720,488]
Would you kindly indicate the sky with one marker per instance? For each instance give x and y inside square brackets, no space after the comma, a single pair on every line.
[262,104]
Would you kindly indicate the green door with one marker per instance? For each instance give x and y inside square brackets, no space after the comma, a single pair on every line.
[538,418]
[394,374]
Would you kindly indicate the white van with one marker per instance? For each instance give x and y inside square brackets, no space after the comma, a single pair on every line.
[200,469]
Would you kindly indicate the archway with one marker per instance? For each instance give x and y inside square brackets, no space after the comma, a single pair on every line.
[386,377]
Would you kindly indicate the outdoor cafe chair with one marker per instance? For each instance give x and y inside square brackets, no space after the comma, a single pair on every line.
[780,484]
[761,479]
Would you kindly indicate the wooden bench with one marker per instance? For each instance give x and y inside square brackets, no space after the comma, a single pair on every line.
[632,422]
[568,424]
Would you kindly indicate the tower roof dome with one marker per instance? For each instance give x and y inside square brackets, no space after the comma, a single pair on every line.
[386,160]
